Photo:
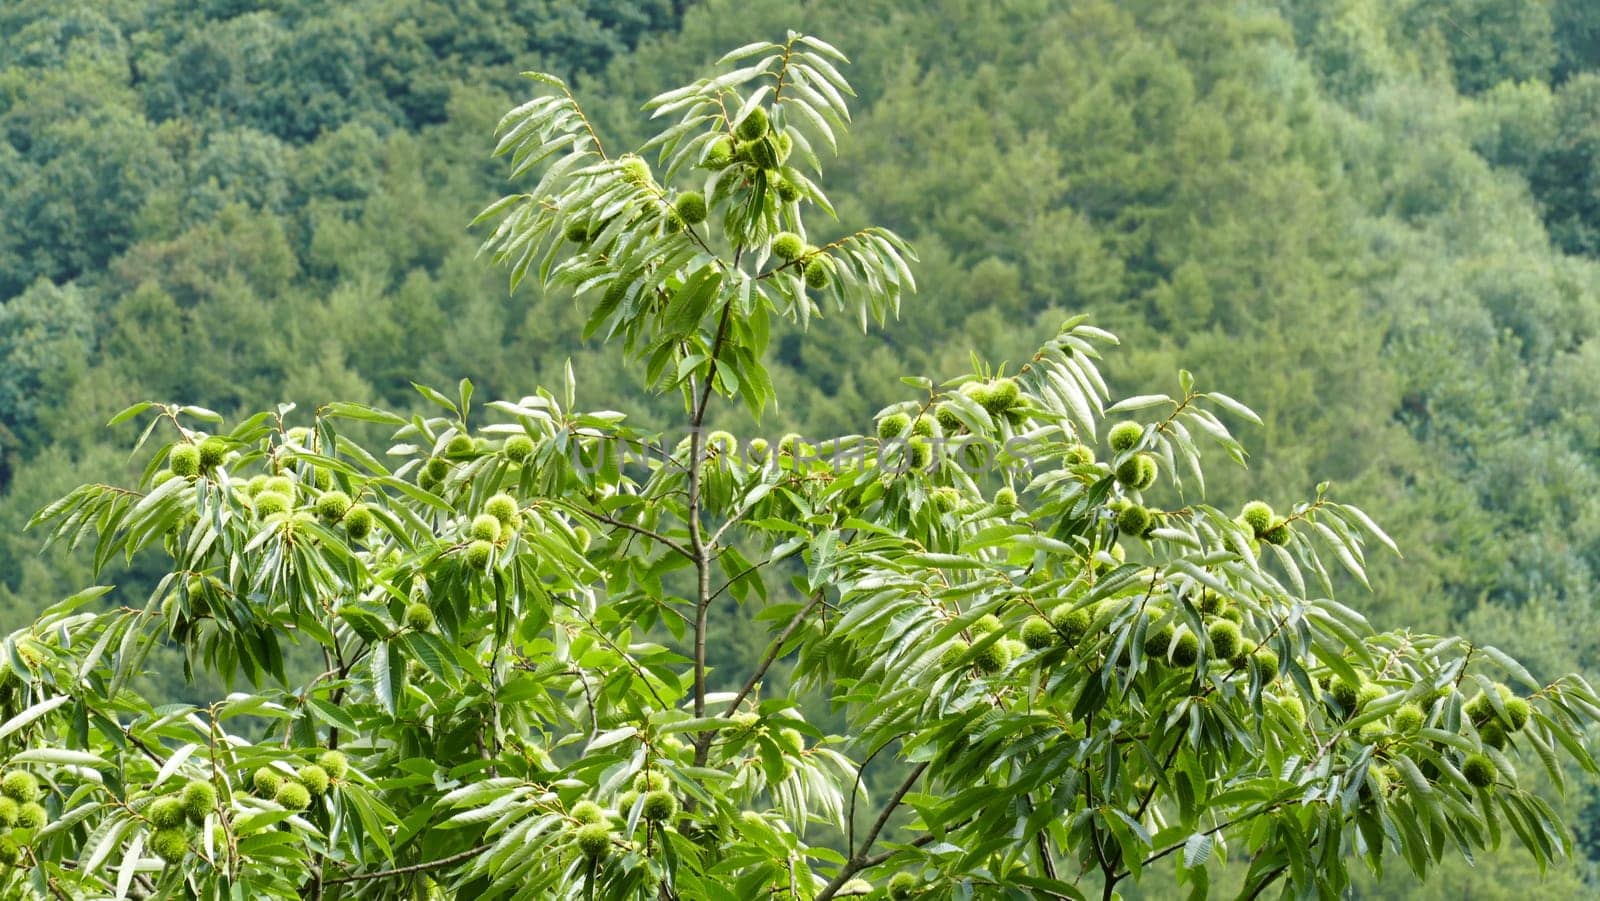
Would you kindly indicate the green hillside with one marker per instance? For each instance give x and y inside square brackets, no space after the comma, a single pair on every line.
[1376,223]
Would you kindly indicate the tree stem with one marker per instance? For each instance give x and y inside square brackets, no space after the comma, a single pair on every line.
[413,868]
[859,860]
[1047,862]
[1266,881]
[774,651]
[697,542]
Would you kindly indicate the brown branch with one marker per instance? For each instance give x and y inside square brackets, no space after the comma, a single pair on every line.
[1268,808]
[651,534]
[774,651]
[859,859]
[584,118]
[1266,880]
[926,838]
[608,642]
[739,575]
[702,559]
[1047,862]
[855,790]
[413,868]
[783,71]
[703,743]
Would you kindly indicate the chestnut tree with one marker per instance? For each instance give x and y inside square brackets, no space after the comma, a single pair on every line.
[1011,650]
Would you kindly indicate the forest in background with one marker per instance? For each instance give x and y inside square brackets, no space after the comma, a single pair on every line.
[1376,223]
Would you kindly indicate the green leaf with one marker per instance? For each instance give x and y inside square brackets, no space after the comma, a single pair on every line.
[690,303]
[1139,402]
[363,413]
[62,757]
[611,737]
[32,713]
[129,413]
[437,398]
[382,677]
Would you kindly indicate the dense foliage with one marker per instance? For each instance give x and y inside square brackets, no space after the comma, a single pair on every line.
[1381,207]
[1075,668]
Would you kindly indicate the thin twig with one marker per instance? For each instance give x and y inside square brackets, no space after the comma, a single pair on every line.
[641,530]
[1266,880]
[859,860]
[774,651]
[413,868]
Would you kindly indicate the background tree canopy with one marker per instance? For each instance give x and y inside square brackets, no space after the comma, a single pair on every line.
[1375,221]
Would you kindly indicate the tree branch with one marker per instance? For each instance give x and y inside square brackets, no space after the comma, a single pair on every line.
[1266,880]
[1268,808]
[1047,861]
[774,651]
[697,542]
[859,859]
[651,534]
[413,868]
